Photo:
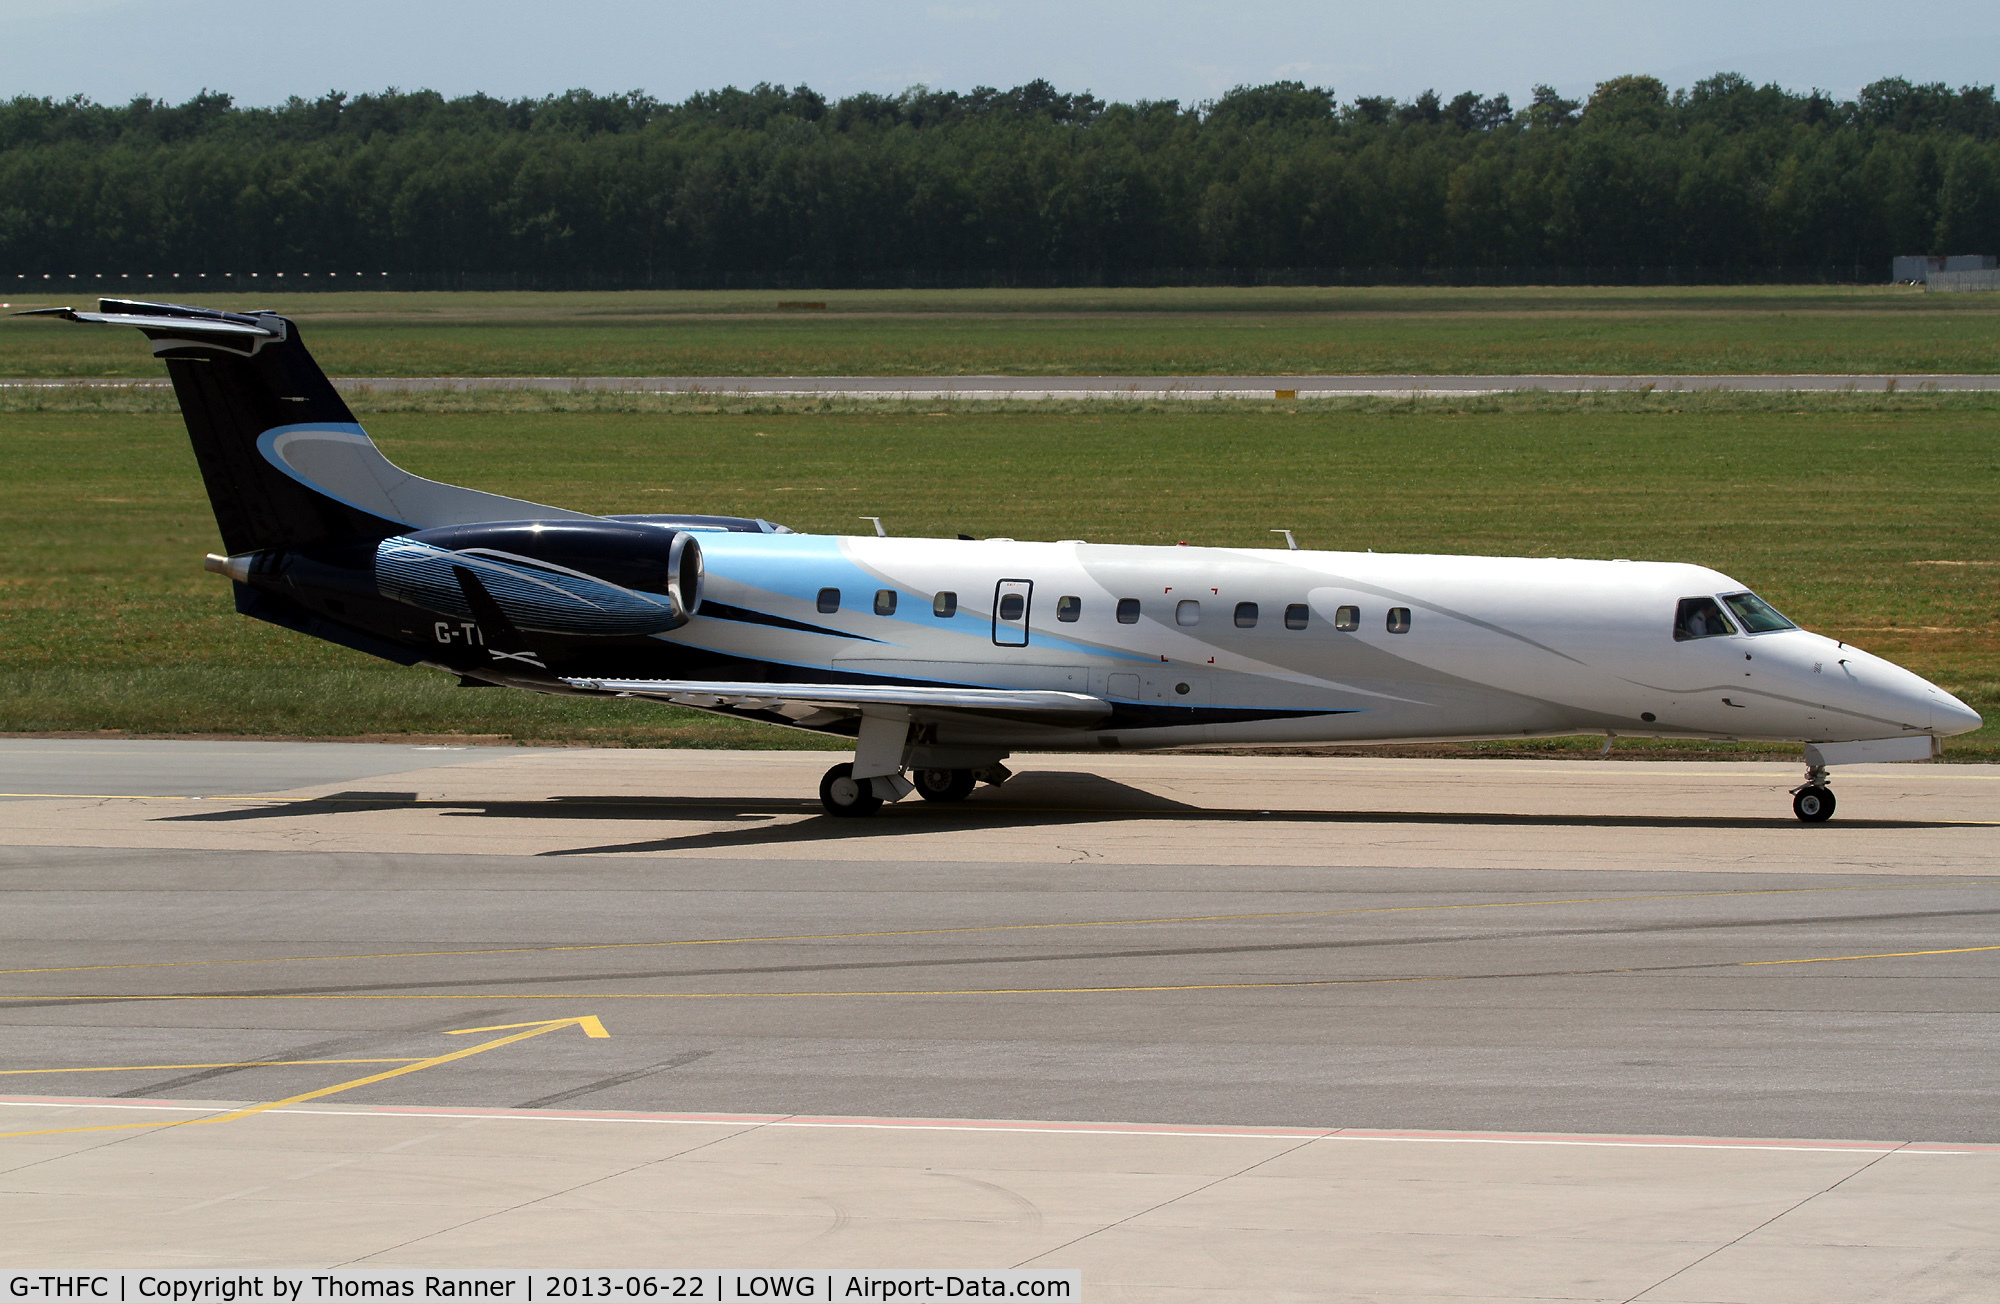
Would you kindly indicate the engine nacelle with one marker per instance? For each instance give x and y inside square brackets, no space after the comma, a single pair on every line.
[582,578]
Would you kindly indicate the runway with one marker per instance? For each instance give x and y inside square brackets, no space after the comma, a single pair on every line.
[1425,991]
[1035,388]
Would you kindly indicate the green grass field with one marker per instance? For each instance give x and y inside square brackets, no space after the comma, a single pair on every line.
[1866,518]
[1079,332]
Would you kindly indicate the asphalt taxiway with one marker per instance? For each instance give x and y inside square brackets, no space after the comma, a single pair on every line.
[1197,1025]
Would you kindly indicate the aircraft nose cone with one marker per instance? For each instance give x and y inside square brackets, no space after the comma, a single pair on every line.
[1951,716]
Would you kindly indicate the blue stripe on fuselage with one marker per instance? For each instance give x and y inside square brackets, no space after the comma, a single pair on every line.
[790,565]
[798,566]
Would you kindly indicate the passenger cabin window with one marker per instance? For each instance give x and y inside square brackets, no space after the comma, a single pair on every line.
[1399,620]
[885,602]
[1187,612]
[1246,615]
[1347,618]
[1757,616]
[1296,615]
[1068,609]
[1700,618]
[829,600]
[944,605]
[1128,611]
[1012,605]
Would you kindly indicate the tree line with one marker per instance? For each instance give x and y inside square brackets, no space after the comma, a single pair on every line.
[1726,176]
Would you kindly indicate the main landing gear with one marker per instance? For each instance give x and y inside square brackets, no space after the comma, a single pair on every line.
[843,794]
[944,785]
[1812,801]
[847,797]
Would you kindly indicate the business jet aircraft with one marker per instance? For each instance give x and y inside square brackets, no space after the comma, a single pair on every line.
[940,657]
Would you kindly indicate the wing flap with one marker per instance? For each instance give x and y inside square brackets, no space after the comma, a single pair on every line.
[1079,707]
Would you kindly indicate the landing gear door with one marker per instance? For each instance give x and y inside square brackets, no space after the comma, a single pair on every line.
[1011,599]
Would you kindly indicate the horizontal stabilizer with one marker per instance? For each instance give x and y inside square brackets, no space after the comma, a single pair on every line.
[285,462]
[149,321]
[752,697]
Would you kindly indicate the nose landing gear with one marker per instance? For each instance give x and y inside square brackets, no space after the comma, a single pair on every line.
[1812,801]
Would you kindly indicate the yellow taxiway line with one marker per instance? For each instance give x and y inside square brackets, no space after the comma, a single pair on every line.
[588,1023]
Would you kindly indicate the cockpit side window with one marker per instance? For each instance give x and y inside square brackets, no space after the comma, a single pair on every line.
[1700,618]
[1756,615]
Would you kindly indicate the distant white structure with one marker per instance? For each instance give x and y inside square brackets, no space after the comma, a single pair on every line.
[1947,271]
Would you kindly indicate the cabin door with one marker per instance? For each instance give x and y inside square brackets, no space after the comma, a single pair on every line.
[1011,599]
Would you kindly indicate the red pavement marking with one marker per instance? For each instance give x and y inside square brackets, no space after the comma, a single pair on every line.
[1224,1132]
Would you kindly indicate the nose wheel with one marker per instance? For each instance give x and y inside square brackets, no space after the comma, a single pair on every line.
[1813,801]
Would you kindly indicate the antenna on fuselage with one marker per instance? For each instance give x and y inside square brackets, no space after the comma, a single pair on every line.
[880,533]
[1290,542]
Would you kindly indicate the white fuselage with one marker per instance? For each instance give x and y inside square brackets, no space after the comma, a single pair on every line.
[1492,647]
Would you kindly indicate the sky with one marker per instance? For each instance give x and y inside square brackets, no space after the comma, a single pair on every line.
[1187,50]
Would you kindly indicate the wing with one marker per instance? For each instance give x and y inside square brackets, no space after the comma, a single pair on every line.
[1068,708]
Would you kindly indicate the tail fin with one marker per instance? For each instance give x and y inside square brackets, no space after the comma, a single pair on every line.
[285,462]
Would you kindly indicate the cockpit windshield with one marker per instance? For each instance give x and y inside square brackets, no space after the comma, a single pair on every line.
[1757,615]
[1700,618]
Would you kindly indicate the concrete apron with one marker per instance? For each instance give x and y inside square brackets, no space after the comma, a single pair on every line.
[1581,814]
[1145,1212]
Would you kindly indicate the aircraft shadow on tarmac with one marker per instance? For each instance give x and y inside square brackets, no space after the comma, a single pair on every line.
[1040,799]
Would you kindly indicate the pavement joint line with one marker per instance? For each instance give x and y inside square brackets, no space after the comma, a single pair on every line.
[1012,928]
[1193,1192]
[1055,1128]
[1748,1232]
[1274,984]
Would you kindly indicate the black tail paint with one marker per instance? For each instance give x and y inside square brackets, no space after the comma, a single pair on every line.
[239,376]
